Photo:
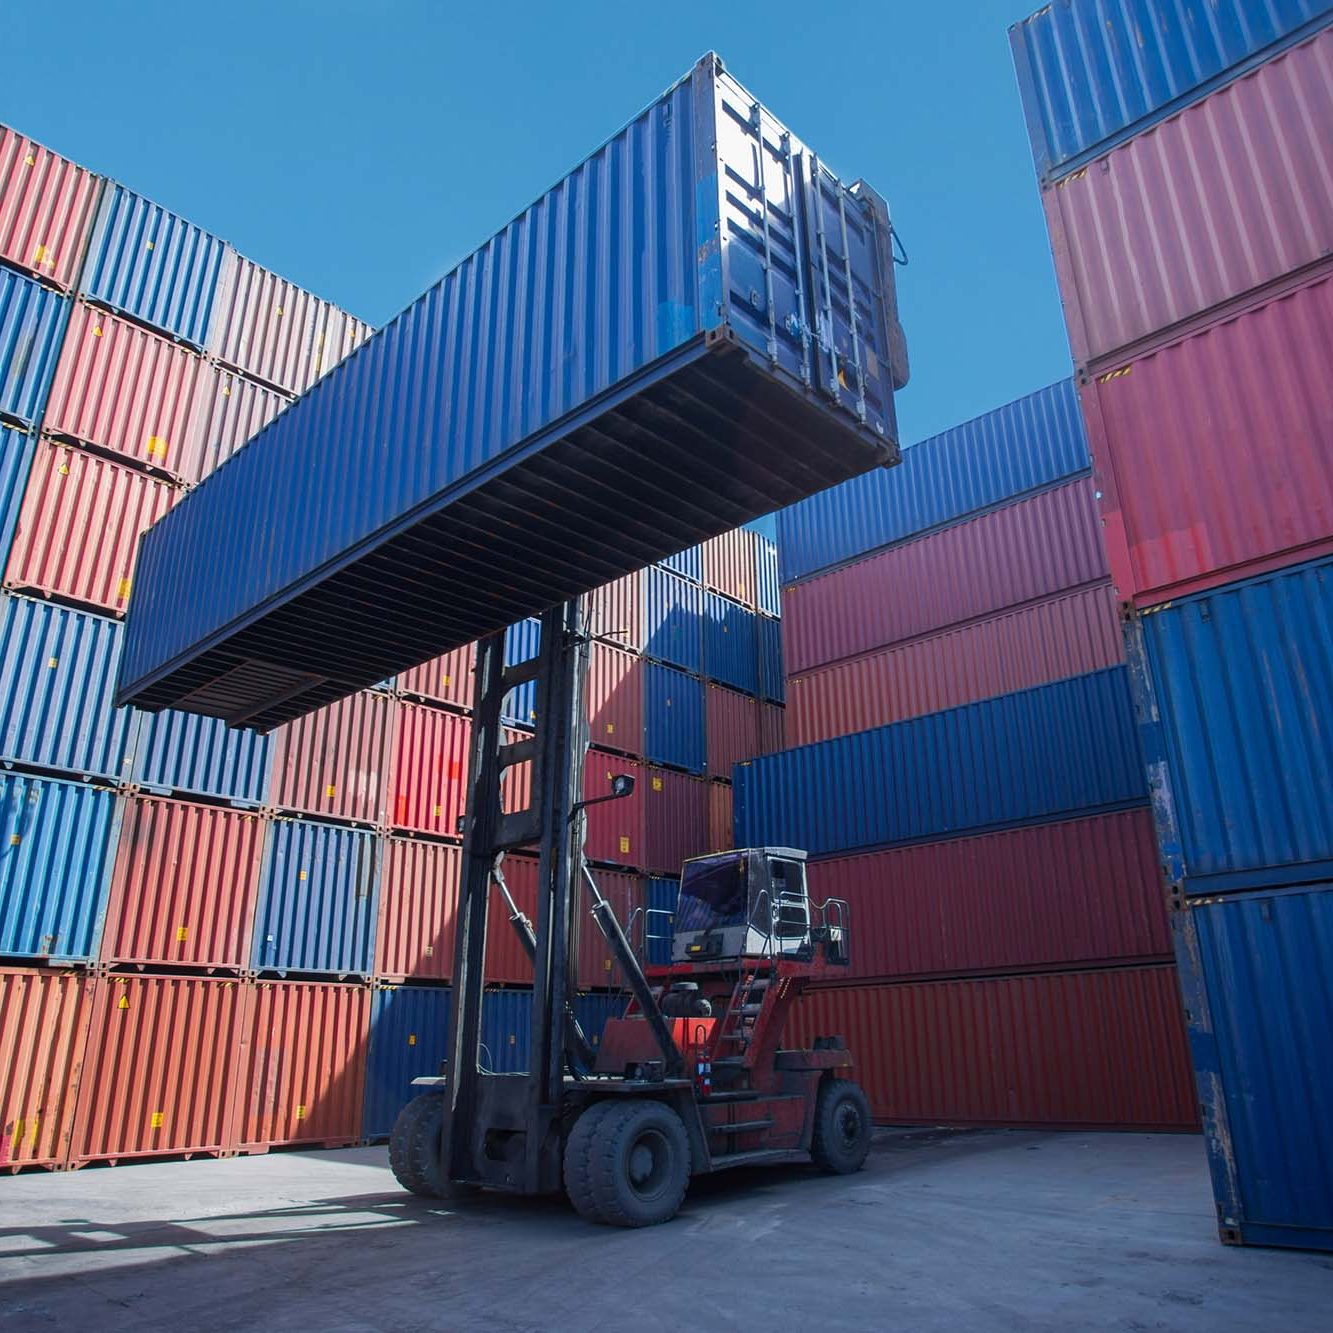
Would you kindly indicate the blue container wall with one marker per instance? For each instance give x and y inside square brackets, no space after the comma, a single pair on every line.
[772,680]
[731,644]
[32,324]
[689,563]
[318,899]
[54,867]
[1262,1052]
[1033,755]
[506,1031]
[1024,446]
[409,1038]
[153,265]
[593,1011]
[673,718]
[660,917]
[180,752]
[57,673]
[675,616]
[522,642]
[1092,73]
[17,447]
[1242,753]
[768,583]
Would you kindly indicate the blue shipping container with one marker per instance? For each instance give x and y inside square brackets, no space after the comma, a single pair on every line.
[409,1038]
[626,369]
[17,447]
[200,756]
[731,643]
[523,641]
[32,325]
[506,1031]
[1235,693]
[1258,981]
[54,867]
[1022,447]
[772,680]
[659,918]
[674,610]
[673,718]
[689,563]
[1093,73]
[1021,758]
[153,265]
[57,672]
[318,899]
[594,1010]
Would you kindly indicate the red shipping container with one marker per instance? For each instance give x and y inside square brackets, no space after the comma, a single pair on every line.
[731,723]
[79,527]
[1027,550]
[447,679]
[731,565]
[1081,892]
[507,962]
[44,1020]
[418,910]
[184,885]
[164,1056]
[1232,193]
[229,410]
[1070,1050]
[675,819]
[615,698]
[595,967]
[615,828]
[429,789]
[333,762]
[305,1073]
[772,728]
[1066,635]
[720,835]
[47,204]
[122,388]
[615,611]
[1212,454]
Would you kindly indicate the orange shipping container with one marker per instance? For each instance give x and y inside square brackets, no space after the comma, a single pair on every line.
[418,905]
[429,788]
[731,565]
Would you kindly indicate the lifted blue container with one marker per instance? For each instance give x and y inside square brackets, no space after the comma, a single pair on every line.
[177,752]
[409,1038]
[731,643]
[32,325]
[695,327]
[673,718]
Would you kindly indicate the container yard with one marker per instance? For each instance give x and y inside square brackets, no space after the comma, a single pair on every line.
[566,759]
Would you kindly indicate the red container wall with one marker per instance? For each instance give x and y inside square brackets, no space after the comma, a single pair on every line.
[1076,893]
[447,679]
[127,390]
[732,725]
[615,828]
[615,698]
[1232,193]
[1065,635]
[1027,550]
[43,1036]
[333,762]
[615,611]
[429,788]
[1072,1050]
[229,409]
[730,565]
[184,885]
[675,821]
[46,209]
[772,728]
[418,907]
[507,962]
[161,1073]
[594,966]
[78,531]
[1254,393]
[720,836]
[305,1075]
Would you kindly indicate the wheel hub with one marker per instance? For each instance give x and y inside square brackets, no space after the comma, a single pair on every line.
[640,1163]
[849,1124]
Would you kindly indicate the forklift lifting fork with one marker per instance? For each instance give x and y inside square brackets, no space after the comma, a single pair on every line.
[694,1078]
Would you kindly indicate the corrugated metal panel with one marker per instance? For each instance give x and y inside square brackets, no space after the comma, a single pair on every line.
[659,918]
[733,729]
[556,393]
[447,679]
[720,817]
[178,752]
[305,1079]
[731,565]
[1055,750]
[731,643]
[17,447]
[43,1035]
[337,336]
[1066,635]
[1072,1050]
[1093,72]
[317,899]
[1080,892]
[506,961]
[615,828]
[78,530]
[673,731]
[1013,555]
[675,819]
[418,901]
[429,787]
[768,586]
[768,645]
[595,1011]
[674,611]
[1253,390]
[54,867]
[772,728]
[153,265]
[183,886]
[615,698]
[46,209]
[409,1038]
[229,410]
[1023,446]
[57,668]
[334,763]
[523,642]
[1266,961]
[687,563]
[1229,196]
[1242,682]
[161,1073]
[506,1031]
[32,323]
[616,611]
[594,965]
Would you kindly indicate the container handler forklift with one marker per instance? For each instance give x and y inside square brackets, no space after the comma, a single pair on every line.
[695,1077]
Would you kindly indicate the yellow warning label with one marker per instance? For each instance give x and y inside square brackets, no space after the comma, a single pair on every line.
[606,964]
[97,330]
[156,1120]
[624,845]
[39,255]
[657,784]
[513,1040]
[300,1112]
[226,392]
[330,790]
[446,681]
[279,312]
[30,161]
[15,839]
[1114,374]
[610,728]
[123,589]
[148,245]
[430,949]
[411,1038]
[300,874]
[182,934]
[53,662]
[63,469]
[157,446]
[439,810]
[124,1002]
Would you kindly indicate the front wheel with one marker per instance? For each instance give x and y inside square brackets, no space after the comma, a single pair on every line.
[416,1149]
[842,1128]
[627,1164]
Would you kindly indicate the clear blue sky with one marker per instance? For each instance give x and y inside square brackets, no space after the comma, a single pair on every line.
[362,147]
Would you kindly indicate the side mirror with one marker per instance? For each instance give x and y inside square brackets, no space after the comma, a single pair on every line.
[622,784]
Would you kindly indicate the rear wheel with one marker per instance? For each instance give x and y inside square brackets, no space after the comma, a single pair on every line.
[627,1164]
[415,1149]
[842,1127]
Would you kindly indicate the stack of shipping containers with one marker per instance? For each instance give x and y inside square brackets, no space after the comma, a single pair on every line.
[967,776]
[1187,179]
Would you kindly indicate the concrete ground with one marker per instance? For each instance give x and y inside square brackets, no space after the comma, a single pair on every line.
[982,1230]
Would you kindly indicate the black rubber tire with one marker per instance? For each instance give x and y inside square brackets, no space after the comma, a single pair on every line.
[614,1141]
[414,1147]
[842,1127]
